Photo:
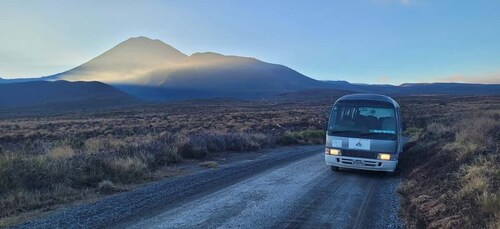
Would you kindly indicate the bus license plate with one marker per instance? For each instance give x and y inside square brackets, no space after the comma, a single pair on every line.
[358,163]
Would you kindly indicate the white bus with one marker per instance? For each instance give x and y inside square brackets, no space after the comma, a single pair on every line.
[364,132]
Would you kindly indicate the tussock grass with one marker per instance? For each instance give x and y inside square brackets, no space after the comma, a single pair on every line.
[61,152]
[209,164]
[108,187]
[453,168]
[201,145]
[46,161]
[303,137]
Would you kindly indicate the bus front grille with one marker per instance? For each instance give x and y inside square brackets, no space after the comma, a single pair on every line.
[360,154]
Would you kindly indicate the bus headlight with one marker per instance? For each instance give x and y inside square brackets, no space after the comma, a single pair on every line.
[384,156]
[334,152]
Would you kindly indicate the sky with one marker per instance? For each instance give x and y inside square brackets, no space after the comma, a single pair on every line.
[361,41]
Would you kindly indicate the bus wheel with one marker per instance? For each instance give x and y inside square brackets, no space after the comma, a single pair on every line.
[393,173]
[335,168]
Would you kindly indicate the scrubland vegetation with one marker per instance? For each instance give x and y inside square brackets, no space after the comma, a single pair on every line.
[451,174]
[452,166]
[51,159]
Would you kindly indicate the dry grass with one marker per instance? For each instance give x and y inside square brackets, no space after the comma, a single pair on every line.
[453,166]
[303,137]
[108,187]
[55,159]
[61,152]
[209,164]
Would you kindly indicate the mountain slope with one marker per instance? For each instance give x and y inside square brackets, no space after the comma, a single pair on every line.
[61,94]
[152,69]
[211,71]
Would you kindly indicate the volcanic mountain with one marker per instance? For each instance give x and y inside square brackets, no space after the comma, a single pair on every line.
[152,69]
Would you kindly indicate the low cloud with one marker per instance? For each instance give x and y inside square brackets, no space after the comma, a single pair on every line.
[482,78]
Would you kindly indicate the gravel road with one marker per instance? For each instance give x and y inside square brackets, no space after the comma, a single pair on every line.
[288,187]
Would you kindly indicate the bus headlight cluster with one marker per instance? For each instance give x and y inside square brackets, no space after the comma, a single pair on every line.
[334,152]
[384,156]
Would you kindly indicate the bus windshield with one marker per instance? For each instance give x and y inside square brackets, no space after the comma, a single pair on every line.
[363,119]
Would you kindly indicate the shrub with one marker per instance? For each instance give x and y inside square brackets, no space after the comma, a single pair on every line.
[303,137]
[209,164]
[127,169]
[61,152]
[108,187]
[201,145]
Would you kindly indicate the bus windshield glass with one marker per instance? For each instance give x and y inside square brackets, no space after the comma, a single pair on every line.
[363,119]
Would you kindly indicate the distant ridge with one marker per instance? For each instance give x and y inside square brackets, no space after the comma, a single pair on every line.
[420,88]
[61,94]
[152,70]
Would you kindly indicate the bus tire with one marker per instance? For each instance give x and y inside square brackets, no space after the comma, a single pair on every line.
[393,173]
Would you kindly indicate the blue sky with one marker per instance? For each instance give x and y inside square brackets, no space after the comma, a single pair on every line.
[364,41]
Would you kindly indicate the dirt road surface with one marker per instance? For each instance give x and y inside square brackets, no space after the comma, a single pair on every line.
[285,188]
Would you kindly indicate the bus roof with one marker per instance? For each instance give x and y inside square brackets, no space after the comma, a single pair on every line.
[374,97]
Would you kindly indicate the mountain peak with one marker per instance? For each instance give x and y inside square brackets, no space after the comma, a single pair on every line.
[142,39]
[132,57]
[146,43]
[142,49]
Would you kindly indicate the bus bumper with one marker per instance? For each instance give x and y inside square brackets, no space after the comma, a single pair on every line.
[361,163]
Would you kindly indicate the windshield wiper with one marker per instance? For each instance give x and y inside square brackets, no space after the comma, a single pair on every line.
[370,133]
[393,136]
[373,133]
